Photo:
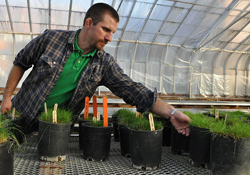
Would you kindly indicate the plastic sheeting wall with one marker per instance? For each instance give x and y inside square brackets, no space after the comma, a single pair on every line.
[188,47]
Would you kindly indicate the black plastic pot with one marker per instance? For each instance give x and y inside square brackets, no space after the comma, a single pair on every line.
[166,139]
[124,140]
[18,125]
[115,128]
[179,143]
[81,121]
[146,149]
[199,146]
[167,125]
[6,159]
[53,141]
[96,141]
[229,156]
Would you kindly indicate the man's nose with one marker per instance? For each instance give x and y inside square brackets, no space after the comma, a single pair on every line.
[109,37]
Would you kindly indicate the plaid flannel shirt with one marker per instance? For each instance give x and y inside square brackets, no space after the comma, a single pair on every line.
[48,54]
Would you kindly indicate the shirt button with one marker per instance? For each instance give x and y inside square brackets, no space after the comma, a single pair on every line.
[54,62]
[79,61]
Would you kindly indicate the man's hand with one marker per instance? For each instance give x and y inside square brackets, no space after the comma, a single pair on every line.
[179,120]
[6,105]
[181,123]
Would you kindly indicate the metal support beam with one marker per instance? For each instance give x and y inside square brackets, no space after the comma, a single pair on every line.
[30,22]
[243,16]
[70,11]
[213,74]
[124,28]
[218,21]
[12,28]
[49,14]
[200,19]
[132,60]
[189,10]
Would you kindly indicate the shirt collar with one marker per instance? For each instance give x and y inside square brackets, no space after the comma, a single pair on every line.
[72,39]
[78,49]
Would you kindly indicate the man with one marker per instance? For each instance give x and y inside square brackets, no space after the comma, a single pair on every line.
[68,66]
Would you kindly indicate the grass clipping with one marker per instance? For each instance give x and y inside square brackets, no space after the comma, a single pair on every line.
[63,116]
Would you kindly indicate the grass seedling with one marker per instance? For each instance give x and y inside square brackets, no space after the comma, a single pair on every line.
[5,130]
[63,116]
[143,124]
[16,112]
[233,126]
[200,120]
[125,116]
[96,123]
[239,129]
[90,117]
[9,114]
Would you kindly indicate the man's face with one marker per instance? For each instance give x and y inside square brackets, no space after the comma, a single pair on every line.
[101,33]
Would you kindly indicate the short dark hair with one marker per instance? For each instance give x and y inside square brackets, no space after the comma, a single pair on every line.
[98,10]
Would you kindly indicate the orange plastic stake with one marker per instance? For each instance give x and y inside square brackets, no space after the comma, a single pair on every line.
[94,106]
[86,110]
[105,112]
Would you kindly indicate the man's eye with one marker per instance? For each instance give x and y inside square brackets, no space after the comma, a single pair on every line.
[107,30]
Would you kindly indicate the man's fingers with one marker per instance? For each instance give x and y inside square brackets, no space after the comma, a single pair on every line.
[184,131]
[5,110]
[187,131]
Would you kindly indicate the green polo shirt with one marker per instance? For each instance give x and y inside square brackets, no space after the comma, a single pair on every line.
[68,80]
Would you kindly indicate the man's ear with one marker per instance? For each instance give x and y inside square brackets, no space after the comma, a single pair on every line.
[88,22]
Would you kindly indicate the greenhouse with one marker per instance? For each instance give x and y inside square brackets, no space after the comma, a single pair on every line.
[191,54]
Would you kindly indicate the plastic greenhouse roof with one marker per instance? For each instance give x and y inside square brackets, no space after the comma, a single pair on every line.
[188,47]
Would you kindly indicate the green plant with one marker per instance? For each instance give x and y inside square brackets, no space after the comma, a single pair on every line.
[125,116]
[247,116]
[9,114]
[143,124]
[211,111]
[239,129]
[5,130]
[232,117]
[199,120]
[16,112]
[96,123]
[232,125]
[90,117]
[63,116]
